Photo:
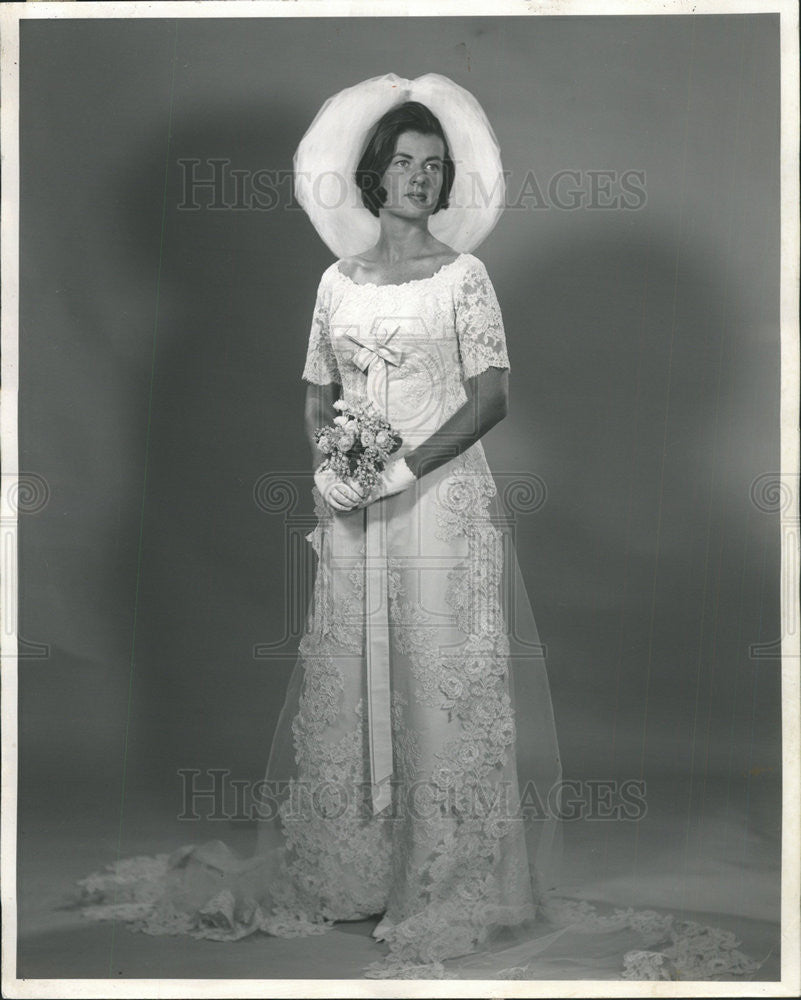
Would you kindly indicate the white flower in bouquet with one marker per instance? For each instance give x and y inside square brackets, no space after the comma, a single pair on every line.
[324,444]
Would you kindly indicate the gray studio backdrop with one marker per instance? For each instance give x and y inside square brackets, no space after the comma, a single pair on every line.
[161,352]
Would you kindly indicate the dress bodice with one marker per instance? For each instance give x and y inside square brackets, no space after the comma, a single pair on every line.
[407,347]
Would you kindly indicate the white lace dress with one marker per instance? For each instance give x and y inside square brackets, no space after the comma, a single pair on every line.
[460,859]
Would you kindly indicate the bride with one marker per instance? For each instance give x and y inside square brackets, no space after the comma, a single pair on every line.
[414,774]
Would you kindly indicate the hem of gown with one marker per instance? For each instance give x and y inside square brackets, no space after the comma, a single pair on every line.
[142,892]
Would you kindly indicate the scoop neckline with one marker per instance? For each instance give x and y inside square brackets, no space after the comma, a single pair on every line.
[397,284]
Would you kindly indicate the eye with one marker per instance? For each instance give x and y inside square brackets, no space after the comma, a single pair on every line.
[434,166]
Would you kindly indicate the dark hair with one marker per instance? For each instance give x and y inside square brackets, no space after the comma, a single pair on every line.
[411,116]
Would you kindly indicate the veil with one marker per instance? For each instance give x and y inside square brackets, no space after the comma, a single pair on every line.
[327,156]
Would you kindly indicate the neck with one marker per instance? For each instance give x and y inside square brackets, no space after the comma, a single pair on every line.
[402,239]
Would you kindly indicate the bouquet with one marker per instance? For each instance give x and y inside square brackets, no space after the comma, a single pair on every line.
[358,444]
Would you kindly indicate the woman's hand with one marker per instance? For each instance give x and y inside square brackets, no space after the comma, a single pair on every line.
[337,493]
[396,477]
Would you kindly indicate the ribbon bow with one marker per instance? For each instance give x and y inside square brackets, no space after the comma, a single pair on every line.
[374,359]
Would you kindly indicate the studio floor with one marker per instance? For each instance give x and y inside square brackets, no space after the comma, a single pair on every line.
[720,866]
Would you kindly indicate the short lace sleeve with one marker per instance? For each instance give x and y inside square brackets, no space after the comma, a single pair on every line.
[479,325]
[321,364]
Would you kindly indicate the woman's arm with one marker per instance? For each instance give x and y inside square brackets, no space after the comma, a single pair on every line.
[319,412]
[486,405]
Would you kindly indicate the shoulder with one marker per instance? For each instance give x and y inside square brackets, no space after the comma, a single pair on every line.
[469,273]
[471,261]
[327,277]
[331,271]
[471,265]
[473,291]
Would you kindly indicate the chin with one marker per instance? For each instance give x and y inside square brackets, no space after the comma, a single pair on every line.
[410,211]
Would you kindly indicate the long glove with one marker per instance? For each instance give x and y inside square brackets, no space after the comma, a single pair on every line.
[396,477]
[339,495]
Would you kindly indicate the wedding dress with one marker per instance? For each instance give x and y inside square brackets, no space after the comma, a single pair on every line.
[420,653]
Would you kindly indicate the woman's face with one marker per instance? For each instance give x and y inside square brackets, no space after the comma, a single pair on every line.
[413,179]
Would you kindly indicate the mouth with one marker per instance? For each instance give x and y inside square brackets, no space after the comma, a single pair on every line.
[420,199]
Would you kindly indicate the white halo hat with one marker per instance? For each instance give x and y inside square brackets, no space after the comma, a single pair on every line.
[327,156]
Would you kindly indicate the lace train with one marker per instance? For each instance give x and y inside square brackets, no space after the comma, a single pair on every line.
[207,892]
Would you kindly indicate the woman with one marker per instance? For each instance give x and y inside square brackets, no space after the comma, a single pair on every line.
[414,773]
[402,697]
[443,866]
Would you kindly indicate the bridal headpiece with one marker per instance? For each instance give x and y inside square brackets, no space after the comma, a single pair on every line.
[326,159]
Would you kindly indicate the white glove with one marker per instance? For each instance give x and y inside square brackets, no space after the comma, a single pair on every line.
[337,493]
[396,477]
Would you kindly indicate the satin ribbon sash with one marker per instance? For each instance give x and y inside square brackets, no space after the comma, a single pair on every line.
[379,717]
[374,358]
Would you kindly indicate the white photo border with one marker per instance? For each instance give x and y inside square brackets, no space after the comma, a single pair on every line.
[10,17]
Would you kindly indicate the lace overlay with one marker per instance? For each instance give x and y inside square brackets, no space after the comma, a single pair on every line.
[479,324]
[321,366]
[450,324]
[457,863]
